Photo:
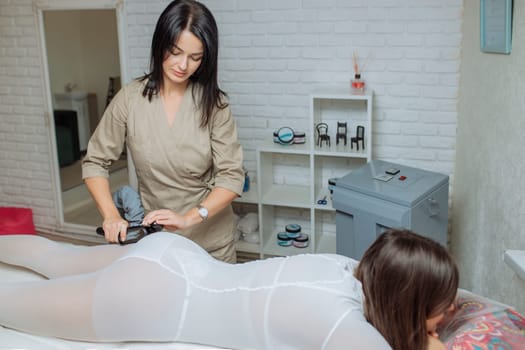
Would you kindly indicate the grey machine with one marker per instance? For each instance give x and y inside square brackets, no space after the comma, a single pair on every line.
[382,195]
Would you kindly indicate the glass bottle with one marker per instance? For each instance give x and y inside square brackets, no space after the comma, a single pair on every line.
[358,84]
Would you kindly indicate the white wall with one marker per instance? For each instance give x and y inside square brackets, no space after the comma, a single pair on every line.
[26,175]
[87,62]
[64,68]
[488,203]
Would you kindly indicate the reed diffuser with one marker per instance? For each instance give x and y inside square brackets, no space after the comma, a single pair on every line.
[357,84]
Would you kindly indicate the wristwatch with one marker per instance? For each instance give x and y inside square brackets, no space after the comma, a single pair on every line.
[203,212]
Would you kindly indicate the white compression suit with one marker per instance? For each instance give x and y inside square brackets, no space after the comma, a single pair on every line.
[166,288]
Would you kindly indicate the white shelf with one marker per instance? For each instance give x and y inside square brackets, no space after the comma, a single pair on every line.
[516,260]
[244,246]
[270,146]
[340,151]
[292,178]
[286,195]
[326,244]
[324,193]
[272,248]
[341,95]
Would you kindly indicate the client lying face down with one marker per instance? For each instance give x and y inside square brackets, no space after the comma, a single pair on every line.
[409,283]
[167,288]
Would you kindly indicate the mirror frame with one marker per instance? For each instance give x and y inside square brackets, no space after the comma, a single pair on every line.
[71,230]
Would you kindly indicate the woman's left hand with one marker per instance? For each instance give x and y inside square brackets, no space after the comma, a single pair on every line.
[167,218]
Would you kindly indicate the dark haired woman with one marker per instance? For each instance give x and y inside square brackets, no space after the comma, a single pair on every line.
[166,288]
[179,130]
[409,284]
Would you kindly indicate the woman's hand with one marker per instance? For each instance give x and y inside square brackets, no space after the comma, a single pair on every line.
[113,227]
[217,200]
[167,218]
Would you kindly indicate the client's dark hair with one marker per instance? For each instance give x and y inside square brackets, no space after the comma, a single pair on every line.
[407,279]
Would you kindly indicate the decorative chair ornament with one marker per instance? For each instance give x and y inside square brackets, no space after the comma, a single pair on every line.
[360,136]
[322,134]
[341,132]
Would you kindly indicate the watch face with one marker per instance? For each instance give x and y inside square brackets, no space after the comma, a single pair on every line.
[203,212]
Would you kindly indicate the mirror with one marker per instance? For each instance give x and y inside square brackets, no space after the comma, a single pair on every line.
[84,70]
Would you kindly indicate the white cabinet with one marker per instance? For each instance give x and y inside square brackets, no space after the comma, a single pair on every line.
[292,178]
[78,102]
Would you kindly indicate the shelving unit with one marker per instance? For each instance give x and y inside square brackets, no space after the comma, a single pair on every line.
[248,199]
[291,179]
[283,199]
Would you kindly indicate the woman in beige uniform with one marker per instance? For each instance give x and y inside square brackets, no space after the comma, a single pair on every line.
[181,135]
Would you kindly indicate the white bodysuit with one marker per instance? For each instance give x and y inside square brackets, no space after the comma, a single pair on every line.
[167,288]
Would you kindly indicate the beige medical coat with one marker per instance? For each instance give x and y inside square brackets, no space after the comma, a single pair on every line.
[176,166]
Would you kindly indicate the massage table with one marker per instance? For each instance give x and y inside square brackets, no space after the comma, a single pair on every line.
[478,324]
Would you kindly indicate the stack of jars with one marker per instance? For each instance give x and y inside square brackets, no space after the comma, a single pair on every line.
[292,236]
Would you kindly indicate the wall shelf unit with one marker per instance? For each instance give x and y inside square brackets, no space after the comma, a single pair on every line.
[247,203]
[292,178]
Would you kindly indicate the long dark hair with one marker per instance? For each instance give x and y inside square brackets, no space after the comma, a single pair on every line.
[190,15]
[407,279]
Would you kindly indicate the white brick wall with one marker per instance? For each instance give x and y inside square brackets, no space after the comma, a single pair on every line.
[273,54]
[25,172]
